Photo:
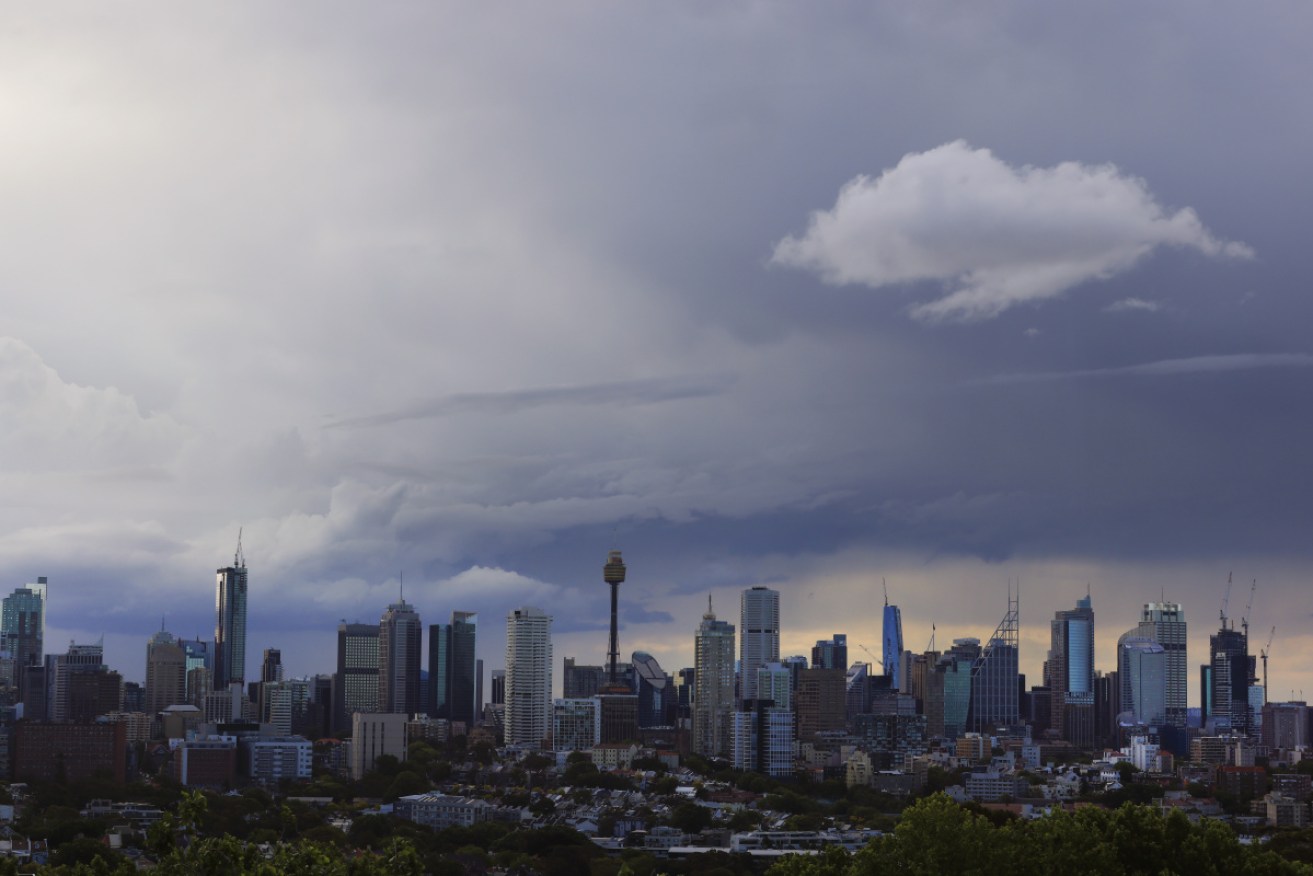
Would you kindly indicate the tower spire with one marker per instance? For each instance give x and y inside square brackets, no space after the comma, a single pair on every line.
[239,559]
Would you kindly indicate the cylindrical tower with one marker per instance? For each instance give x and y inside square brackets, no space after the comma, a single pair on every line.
[613,573]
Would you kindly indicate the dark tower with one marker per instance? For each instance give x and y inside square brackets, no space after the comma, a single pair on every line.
[613,573]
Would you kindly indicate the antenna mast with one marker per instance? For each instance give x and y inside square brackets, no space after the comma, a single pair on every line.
[1221,615]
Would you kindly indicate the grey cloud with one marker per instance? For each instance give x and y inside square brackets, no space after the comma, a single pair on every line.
[618,393]
[1164,368]
[996,235]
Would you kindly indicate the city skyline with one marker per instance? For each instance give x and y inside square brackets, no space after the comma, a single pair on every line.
[482,294]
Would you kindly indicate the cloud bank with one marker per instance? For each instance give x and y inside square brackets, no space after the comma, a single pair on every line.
[994,235]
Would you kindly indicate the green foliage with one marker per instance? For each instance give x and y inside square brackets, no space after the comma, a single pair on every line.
[936,836]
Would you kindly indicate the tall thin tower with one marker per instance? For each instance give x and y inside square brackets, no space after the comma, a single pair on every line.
[893,640]
[230,621]
[759,637]
[613,573]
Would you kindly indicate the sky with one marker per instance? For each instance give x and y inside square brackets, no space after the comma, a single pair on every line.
[816,296]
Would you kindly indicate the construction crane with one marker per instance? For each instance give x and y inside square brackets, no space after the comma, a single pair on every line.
[873,657]
[1244,621]
[1226,600]
[1267,649]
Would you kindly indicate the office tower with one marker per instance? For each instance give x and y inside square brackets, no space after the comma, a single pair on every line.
[893,642]
[819,702]
[355,685]
[452,671]
[166,673]
[579,680]
[1286,725]
[995,675]
[528,676]
[1142,674]
[759,643]
[655,692]
[400,642]
[230,622]
[857,691]
[1071,673]
[614,575]
[23,630]
[61,667]
[713,701]
[271,668]
[831,653]
[498,683]
[1164,623]
[1231,671]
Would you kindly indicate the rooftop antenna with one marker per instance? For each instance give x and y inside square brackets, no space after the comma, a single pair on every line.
[886,592]
[239,559]
[402,576]
[932,638]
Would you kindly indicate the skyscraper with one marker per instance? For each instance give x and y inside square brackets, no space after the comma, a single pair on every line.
[1231,669]
[355,685]
[995,675]
[400,641]
[230,622]
[831,653]
[893,642]
[452,672]
[1142,672]
[1071,672]
[759,643]
[166,673]
[23,630]
[1164,623]
[713,697]
[528,676]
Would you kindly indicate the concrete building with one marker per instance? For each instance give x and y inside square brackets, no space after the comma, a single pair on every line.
[713,703]
[1164,623]
[273,759]
[374,735]
[166,673]
[576,724]
[441,811]
[50,752]
[355,684]
[205,762]
[528,676]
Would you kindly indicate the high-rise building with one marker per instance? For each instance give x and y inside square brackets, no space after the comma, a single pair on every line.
[713,698]
[400,642]
[1071,673]
[230,622]
[579,681]
[23,629]
[528,676]
[166,673]
[497,683]
[61,667]
[759,641]
[996,675]
[1232,668]
[762,738]
[1142,674]
[271,668]
[1164,623]
[452,670]
[831,653]
[355,685]
[893,642]
[819,702]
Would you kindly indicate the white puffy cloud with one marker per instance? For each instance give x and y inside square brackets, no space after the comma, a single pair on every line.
[994,235]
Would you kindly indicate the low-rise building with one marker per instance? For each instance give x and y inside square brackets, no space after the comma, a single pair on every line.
[440,811]
[278,758]
[205,762]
